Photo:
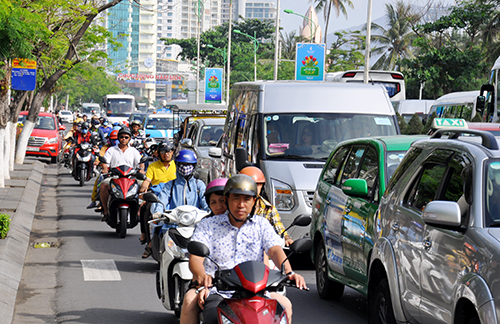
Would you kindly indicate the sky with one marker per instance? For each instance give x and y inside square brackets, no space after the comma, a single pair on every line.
[355,17]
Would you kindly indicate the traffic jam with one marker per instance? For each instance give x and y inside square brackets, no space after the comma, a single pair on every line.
[228,197]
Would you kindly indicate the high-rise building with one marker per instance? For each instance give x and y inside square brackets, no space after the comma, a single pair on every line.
[259,9]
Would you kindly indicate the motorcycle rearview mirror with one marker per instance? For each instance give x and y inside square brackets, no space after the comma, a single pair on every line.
[102,159]
[198,249]
[150,197]
[300,220]
[143,159]
[298,246]
[140,176]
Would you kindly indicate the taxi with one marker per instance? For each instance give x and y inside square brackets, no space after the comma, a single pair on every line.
[345,201]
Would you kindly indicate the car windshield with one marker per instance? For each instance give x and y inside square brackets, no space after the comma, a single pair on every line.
[393,159]
[315,135]
[210,135]
[42,122]
[492,192]
[161,123]
[65,112]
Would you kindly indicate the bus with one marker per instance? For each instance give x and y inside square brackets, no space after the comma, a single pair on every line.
[461,104]
[393,81]
[90,109]
[488,100]
[118,107]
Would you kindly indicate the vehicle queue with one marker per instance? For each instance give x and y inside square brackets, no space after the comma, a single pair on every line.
[415,232]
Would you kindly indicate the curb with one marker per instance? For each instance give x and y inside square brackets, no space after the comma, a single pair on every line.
[17,242]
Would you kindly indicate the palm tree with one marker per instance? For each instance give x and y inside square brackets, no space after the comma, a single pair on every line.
[288,45]
[326,5]
[395,42]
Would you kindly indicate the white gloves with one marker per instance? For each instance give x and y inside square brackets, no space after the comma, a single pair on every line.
[156,215]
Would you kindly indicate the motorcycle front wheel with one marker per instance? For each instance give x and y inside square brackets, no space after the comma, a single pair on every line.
[180,288]
[82,176]
[123,223]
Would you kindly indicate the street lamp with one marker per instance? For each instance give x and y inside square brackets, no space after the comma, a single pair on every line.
[255,47]
[288,11]
[224,57]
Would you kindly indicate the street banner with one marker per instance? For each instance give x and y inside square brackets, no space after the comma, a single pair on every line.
[310,62]
[213,85]
[23,74]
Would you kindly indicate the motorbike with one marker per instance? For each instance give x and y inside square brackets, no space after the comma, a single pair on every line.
[83,161]
[170,235]
[249,281]
[123,202]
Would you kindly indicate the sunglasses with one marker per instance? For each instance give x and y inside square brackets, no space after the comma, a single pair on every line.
[165,151]
[125,137]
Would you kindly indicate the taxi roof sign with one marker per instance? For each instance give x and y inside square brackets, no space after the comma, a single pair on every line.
[439,123]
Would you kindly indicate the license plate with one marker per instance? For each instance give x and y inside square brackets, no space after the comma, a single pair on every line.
[33,149]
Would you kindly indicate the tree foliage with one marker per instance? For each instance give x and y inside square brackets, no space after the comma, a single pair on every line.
[346,52]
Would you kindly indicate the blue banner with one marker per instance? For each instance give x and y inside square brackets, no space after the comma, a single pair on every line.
[23,74]
[310,62]
[213,85]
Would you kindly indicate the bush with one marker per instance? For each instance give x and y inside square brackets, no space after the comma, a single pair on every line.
[401,122]
[4,225]
[428,124]
[414,126]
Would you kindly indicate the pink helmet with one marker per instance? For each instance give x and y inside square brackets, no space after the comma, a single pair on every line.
[216,185]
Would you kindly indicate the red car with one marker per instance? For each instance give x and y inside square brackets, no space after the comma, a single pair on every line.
[46,139]
[493,128]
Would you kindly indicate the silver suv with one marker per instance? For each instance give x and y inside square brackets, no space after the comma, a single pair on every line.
[436,257]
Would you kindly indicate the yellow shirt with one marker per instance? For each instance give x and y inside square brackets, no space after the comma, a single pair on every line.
[157,172]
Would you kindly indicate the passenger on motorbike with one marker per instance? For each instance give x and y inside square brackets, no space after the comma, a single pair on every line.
[121,154]
[157,175]
[94,128]
[264,207]
[214,195]
[68,138]
[232,238]
[185,189]
[138,135]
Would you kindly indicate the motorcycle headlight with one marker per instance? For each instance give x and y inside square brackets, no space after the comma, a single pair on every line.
[85,158]
[187,218]
[116,191]
[52,140]
[85,146]
[132,191]
[283,195]
[225,320]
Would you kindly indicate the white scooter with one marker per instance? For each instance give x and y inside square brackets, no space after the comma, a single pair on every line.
[174,276]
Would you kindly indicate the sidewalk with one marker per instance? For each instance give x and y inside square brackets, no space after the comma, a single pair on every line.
[18,199]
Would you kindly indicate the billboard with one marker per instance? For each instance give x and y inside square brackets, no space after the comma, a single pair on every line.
[213,85]
[310,62]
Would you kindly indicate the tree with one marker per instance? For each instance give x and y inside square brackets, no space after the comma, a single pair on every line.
[326,6]
[346,52]
[414,126]
[402,123]
[394,42]
[288,43]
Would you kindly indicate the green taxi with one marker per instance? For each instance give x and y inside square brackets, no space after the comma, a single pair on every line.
[345,202]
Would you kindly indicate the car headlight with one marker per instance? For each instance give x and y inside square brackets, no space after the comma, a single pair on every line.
[283,195]
[132,191]
[52,140]
[116,191]
[187,218]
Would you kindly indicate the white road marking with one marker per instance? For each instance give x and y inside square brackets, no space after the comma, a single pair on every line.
[100,270]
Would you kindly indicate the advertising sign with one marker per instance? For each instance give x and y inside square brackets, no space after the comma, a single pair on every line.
[310,62]
[213,85]
[23,74]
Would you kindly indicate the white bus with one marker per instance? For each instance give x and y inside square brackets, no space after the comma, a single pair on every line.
[118,107]
[393,81]
[461,104]
[488,99]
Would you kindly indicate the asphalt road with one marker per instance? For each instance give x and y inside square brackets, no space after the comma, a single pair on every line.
[60,285]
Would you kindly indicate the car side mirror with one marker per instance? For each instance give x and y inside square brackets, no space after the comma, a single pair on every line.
[187,142]
[443,213]
[355,187]
[241,159]
[215,152]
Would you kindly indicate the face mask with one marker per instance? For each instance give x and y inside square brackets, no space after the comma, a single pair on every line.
[185,170]
[84,131]
[105,124]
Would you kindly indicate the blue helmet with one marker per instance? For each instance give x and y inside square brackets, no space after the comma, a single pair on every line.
[186,156]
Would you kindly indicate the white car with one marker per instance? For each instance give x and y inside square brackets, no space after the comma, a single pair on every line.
[66,116]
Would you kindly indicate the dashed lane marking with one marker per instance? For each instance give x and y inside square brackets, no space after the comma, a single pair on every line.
[100,270]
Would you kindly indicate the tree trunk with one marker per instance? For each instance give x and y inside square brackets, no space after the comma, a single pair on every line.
[7,150]
[2,160]
[22,142]
[13,132]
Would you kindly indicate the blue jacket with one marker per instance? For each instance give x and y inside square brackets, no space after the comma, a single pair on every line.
[172,194]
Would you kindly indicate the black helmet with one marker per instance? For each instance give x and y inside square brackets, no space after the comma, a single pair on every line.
[95,122]
[85,125]
[241,184]
[124,130]
[165,146]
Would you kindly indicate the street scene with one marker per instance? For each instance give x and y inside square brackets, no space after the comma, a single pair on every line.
[192,161]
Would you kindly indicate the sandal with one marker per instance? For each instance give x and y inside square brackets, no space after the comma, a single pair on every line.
[147,252]
[104,218]
[143,241]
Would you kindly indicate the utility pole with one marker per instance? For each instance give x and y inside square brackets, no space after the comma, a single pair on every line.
[229,51]
[277,41]
[368,35]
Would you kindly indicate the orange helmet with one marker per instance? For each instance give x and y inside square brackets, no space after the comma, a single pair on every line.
[114,134]
[255,173]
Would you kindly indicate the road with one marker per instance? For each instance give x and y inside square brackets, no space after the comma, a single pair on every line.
[60,286]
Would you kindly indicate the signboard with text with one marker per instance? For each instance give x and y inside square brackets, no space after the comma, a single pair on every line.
[213,85]
[23,74]
[310,62]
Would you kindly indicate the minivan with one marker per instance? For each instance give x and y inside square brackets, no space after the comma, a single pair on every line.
[289,128]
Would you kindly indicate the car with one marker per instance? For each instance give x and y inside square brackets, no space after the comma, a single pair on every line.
[161,126]
[493,128]
[203,134]
[66,116]
[138,115]
[346,198]
[46,139]
[437,234]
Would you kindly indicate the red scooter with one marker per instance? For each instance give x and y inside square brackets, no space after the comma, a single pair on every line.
[249,281]
[123,202]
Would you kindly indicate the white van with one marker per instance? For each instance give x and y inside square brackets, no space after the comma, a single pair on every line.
[289,128]
[460,104]
[407,108]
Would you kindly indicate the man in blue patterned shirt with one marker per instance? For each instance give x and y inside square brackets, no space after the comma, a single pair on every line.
[233,237]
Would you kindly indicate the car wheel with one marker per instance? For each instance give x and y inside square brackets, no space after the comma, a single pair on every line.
[327,289]
[380,306]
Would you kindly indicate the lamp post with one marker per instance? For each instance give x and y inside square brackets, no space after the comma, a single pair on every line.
[255,47]
[224,57]
[288,11]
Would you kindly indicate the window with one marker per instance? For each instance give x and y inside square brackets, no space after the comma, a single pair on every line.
[408,160]
[351,165]
[330,173]
[369,172]
[426,186]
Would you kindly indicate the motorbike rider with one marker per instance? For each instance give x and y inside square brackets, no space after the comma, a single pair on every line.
[264,207]
[94,126]
[233,237]
[157,175]
[121,154]
[104,129]
[68,138]
[214,196]
[82,135]
[138,135]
